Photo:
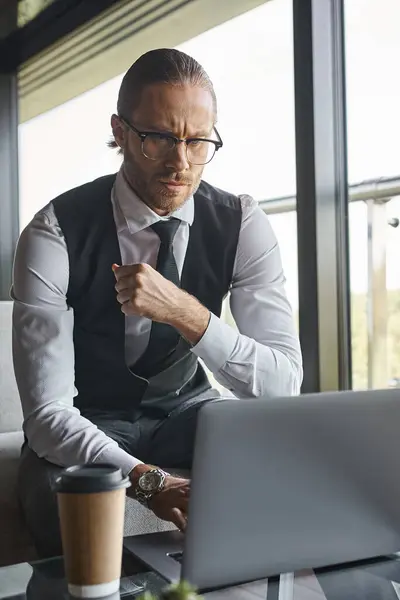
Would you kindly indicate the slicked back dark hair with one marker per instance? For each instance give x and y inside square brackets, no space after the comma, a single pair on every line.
[164,65]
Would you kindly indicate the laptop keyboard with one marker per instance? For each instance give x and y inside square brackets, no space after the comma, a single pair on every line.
[178,556]
[128,587]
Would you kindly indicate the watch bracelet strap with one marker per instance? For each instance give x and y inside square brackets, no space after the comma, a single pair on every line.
[143,498]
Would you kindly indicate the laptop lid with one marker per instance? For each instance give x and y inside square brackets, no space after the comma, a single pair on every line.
[288,483]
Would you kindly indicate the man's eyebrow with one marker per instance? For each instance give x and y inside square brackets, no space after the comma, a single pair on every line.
[201,133]
[156,129]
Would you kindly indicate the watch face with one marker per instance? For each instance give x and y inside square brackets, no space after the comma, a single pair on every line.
[150,481]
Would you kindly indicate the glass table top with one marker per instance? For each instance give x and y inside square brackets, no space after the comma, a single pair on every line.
[370,580]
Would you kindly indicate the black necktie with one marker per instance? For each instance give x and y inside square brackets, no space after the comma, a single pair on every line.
[163,338]
[166,264]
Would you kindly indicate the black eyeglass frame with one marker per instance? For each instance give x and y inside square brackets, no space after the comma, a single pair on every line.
[143,134]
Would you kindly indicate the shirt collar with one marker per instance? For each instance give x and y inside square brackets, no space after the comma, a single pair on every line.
[137,214]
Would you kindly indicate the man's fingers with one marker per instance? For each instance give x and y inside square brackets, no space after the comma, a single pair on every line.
[183,503]
[124,296]
[185,491]
[124,270]
[178,519]
[121,271]
[129,311]
[123,284]
[115,269]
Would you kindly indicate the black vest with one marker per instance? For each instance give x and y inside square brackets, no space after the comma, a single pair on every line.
[102,377]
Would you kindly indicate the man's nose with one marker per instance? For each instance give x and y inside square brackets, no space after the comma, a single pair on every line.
[177,158]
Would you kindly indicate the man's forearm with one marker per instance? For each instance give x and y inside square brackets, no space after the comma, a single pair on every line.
[44,372]
[63,437]
[190,318]
[246,367]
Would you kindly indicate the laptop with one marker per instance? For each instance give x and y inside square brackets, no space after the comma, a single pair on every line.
[284,484]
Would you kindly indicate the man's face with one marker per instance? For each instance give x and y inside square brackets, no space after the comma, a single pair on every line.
[184,112]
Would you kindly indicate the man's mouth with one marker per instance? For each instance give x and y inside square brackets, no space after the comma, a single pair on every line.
[174,183]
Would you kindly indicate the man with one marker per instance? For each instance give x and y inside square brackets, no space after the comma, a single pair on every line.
[118,286]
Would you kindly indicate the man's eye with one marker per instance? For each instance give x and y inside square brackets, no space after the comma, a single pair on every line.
[160,140]
[159,136]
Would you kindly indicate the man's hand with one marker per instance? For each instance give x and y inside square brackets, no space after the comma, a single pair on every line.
[171,503]
[143,291]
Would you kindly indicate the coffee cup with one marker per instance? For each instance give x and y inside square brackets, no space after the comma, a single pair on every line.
[91,506]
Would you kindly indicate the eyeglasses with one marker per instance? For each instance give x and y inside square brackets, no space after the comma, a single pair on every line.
[155,146]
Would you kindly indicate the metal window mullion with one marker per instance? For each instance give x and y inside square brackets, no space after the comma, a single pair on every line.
[322,197]
[377,309]
[342,196]
[9,205]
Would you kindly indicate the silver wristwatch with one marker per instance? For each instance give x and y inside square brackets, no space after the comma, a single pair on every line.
[149,483]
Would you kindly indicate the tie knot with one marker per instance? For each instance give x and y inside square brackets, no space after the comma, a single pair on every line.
[166,230]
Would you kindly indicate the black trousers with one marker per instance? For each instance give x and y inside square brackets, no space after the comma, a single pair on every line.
[164,442]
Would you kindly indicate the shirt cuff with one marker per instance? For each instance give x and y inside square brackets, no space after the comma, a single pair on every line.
[118,457]
[217,344]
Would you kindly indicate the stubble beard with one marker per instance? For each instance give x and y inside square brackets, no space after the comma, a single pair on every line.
[160,199]
[167,203]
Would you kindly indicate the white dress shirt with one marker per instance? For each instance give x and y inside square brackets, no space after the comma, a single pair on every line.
[262,358]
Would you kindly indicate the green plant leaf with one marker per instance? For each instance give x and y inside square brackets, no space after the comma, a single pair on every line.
[180,591]
[177,591]
[147,596]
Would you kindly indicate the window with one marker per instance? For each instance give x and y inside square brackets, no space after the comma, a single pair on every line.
[373,95]
[66,147]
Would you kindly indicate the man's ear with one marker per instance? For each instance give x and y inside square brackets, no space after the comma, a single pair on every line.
[118,131]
